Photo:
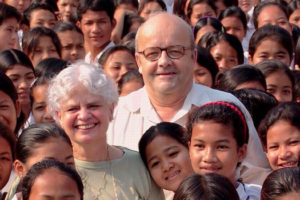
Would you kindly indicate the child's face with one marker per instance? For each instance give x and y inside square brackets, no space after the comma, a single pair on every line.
[270,49]
[201,10]
[43,18]
[5,162]
[213,149]
[9,34]
[67,8]
[53,184]
[234,26]
[202,76]
[40,108]
[130,86]
[283,145]
[72,45]
[295,17]
[8,111]
[53,148]
[168,162]
[225,55]
[22,78]
[118,63]
[279,84]
[45,49]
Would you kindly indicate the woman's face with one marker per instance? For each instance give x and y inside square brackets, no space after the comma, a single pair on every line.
[202,76]
[44,49]
[225,55]
[85,116]
[150,9]
[234,26]
[270,49]
[118,63]
[168,162]
[201,10]
[283,145]
[6,160]
[22,78]
[8,111]
[280,85]
[53,184]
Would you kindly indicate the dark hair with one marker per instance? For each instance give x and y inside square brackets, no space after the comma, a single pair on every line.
[281,182]
[268,67]
[107,6]
[41,167]
[223,113]
[129,19]
[208,21]
[205,59]
[178,9]
[129,40]
[37,133]
[31,39]
[274,33]
[11,57]
[289,111]
[216,37]
[262,5]
[296,92]
[130,76]
[257,102]
[143,3]
[66,26]
[231,79]
[103,58]
[51,3]
[297,53]
[43,80]
[293,5]
[206,187]
[234,11]
[168,129]
[7,11]
[50,67]
[10,137]
[134,3]
[192,3]
[36,6]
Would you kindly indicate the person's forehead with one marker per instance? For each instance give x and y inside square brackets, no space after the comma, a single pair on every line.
[94,15]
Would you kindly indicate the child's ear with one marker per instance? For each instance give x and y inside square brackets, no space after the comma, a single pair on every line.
[242,152]
[20,168]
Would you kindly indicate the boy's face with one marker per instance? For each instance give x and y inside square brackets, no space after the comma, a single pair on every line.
[9,34]
[96,27]
[41,17]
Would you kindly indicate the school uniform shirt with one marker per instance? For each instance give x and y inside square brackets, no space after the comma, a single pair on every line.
[87,58]
[248,191]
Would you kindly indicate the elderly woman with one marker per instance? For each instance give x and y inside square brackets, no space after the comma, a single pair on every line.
[82,101]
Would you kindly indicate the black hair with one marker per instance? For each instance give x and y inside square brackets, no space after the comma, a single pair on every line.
[50,67]
[257,102]
[66,26]
[41,167]
[128,77]
[274,33]
[281,182]
[178,9]
[293,5]
[297,53]
[231,79]
[206,187]
[192,3]
[11,57]
[268,67]
[262,5]
[7,11]
[216,37]
[129,19]
[9,136]
[50,3]
[43,80]
[223,113]
[289,111]
[128,39]
[103,58]
[31,39]
[107,6]
[205,59]
[208,21]
[36,6]
[134,3]
[296,92]
[35,134]
[143,3]
[234,11]
[168,129]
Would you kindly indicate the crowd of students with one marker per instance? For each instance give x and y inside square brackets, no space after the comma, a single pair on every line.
[81,81]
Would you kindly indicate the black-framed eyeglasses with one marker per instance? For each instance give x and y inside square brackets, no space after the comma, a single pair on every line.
[173,52]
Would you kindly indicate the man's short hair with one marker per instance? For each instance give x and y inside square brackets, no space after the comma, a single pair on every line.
[7,12]
[107,6]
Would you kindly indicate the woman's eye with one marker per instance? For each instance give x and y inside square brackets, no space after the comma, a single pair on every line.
[154,164]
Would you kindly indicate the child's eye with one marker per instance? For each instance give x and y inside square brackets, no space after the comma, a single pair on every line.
[154,164]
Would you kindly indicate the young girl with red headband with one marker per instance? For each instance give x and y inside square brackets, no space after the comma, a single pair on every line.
[218,136]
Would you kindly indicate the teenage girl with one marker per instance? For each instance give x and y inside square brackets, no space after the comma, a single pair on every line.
[39,142]
[218,137]
[280,135]
[51,179]
[198,9]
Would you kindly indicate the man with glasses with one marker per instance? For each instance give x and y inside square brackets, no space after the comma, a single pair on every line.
[166,56]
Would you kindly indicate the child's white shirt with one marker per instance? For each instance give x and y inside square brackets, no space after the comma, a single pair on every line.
[248,191]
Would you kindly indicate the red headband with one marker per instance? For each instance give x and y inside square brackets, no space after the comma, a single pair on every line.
[233,107]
